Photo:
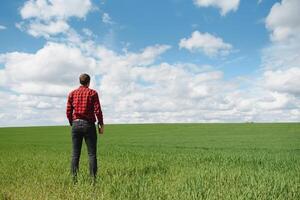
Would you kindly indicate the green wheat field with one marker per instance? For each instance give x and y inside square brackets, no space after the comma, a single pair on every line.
[155,161]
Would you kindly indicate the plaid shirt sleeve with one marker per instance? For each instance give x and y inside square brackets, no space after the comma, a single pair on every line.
[70,108]
[97,109]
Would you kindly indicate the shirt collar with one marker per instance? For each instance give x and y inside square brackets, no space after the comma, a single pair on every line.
[83,86]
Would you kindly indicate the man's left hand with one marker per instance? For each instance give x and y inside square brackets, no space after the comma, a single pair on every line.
[101,129]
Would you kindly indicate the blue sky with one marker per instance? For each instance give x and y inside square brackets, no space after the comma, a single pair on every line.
[241,44]
[144,23]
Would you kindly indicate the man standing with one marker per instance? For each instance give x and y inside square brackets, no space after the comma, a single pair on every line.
[82,106]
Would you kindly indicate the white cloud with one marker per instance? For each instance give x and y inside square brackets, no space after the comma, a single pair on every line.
[2,27]
[174,93]
[53,72]
[286,81]
[146,57]
[224,5]
[49,17]
[281,60]
[283,20]
[130,83]
[274,101]
[276,90]
[133,87]
[24,110]
[58,9]
[106,19]
[37,29]
[159,93]
[209,44]
[2,77]
[139,86]
[281,68]
[50,71]
[281,56]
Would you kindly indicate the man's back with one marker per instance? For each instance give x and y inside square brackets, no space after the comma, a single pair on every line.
[83,103]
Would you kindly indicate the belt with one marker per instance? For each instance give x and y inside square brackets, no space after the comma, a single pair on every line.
[83,121]
[80,120]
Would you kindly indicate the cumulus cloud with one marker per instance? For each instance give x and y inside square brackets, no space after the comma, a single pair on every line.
[281,60]
[47,29]
[147,56]
[224,5]
[49,9]
[281,56]
[209,44]
[160,93]
[24,110]
[133,87]
[138,86]
[275,94]
[49,71]
[49,17]
[53,71]
[275,101]
[283,20]
[286,81]
[167,92]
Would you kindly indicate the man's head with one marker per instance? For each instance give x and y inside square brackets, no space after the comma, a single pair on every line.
[84,79]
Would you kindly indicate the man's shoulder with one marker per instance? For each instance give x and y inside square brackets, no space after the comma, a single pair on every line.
[85,90]
[92,91]
[73,91]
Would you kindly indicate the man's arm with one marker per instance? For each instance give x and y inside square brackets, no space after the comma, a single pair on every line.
[69,110]
[98,113]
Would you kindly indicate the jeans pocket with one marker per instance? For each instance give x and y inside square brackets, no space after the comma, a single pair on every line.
[75,126]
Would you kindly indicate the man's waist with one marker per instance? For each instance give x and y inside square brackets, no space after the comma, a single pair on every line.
[84,118]
[83,121]
[80,120]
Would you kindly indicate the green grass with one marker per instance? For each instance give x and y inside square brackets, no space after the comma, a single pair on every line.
[155,161]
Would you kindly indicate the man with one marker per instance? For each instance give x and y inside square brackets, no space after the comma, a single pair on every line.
[82,106]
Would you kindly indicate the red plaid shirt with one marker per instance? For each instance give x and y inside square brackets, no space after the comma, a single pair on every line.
[83,103]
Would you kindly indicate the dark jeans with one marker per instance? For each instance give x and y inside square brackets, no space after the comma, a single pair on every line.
[87,130]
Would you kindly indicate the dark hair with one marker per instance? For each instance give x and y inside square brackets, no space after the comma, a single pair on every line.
[84,79]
